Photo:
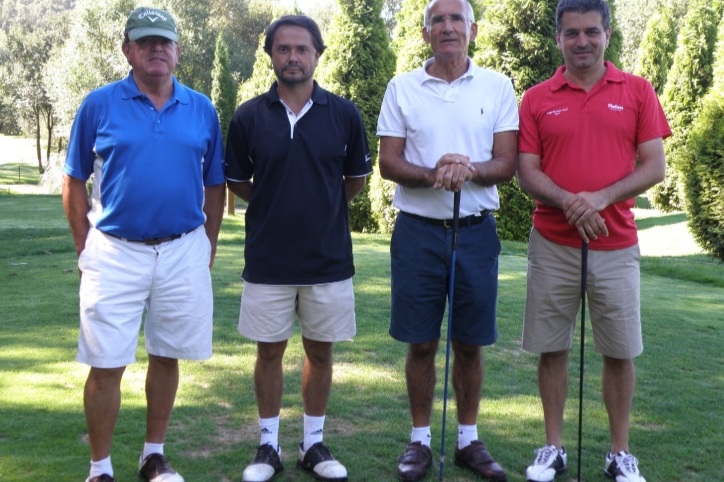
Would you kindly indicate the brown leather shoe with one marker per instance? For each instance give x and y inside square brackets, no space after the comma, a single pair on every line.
[413,464]
[476,458]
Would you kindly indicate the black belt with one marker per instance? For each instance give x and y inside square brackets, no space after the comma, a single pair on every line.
[447,223]
[151,241]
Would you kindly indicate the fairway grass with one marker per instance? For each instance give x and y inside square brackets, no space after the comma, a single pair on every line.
[677,419]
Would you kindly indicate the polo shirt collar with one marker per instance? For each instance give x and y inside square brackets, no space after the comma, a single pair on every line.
[612,75]
[129,90]
[424,77]
[319,95]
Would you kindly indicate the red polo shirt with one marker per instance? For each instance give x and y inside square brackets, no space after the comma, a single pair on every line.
[588,141]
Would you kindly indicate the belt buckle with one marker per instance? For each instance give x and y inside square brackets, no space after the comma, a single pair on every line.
[448,223]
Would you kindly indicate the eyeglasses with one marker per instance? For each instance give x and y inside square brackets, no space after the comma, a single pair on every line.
[457,19]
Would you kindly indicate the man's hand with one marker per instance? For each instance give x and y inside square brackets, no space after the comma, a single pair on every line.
[452,171]
[582,211]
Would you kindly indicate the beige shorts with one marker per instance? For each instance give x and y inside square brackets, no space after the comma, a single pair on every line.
[553,298]
[325,312]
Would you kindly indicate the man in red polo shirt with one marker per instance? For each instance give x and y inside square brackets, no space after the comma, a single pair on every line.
[580,134]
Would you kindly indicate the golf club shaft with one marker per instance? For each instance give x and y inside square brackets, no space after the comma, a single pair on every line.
[453,249]
[584,272]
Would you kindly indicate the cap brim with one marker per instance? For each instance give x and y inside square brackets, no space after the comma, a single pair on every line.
[137,33]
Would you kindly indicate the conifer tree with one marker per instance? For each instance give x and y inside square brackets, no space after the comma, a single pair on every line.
[359,64]
[223,87]
[702,164]
[408,44]
[656,52]
[261,79]
[687,82]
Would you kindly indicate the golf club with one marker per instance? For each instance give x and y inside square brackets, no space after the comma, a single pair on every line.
[456,222]
[584,271]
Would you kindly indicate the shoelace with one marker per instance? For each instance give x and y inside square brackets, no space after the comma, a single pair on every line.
[322,451]
[544,454]
[628,462]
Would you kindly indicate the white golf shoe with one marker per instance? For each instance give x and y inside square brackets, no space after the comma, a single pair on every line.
[264,466]
[623,467]
[548,463]
[320,461]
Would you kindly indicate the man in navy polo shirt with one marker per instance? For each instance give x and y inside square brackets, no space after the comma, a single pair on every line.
[147,239]
[297,154]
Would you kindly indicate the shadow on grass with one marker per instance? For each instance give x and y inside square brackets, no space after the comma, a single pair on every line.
[665,220]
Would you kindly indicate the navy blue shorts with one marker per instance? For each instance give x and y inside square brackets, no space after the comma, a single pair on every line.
[420,258]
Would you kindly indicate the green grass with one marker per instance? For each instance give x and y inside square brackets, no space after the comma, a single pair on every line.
[677,418]
[18,161]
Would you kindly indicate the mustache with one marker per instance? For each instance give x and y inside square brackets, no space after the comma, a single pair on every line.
[292,66]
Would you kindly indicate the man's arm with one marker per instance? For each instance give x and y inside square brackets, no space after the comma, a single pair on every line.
[242,189]
[75,203]
[501,168]
[450,172]
[214,210]
[353,185]
[542,188]
[651,170]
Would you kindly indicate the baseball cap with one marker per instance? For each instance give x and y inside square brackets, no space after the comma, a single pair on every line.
[147,21]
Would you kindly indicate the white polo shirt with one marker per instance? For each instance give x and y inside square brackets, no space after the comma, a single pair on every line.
[438,118]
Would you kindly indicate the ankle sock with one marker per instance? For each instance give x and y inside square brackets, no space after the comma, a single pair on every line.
[150,448]
[421,434]
[466,434]
[101,467]
[313,430]
[269,428]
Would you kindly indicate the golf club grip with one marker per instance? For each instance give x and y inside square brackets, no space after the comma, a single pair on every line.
[456,219]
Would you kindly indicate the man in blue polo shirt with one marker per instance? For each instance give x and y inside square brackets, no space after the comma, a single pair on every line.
[147,238]
[306,151]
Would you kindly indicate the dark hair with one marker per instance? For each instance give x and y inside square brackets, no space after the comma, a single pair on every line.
[295,21]
[583,6]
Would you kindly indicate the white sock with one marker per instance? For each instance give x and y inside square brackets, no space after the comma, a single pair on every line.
[269,431]
[421,434]
[466,434]
[149,448]
[313,430]
[101,467]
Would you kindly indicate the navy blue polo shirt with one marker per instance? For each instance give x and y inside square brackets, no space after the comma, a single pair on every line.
[150,165]
[297,222]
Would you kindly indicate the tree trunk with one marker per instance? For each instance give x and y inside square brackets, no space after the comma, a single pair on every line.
[37,140]
[50,125]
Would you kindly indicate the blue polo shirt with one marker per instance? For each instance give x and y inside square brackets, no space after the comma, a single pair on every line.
[297,222]
[150,166]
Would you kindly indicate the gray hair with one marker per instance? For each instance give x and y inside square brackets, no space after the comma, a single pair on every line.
[469,14]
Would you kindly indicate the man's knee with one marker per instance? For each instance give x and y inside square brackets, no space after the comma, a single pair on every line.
[105,378]
[319,353]
[270,353]
[422,351]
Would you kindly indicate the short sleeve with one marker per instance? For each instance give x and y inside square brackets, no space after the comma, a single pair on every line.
[357,161]
[652,121]
[528,136]
[508,115]
[238,164]
[390,123]
[80,154]
[214,157]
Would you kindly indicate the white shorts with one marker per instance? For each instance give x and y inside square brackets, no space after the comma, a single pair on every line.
[326,312]
[171,281]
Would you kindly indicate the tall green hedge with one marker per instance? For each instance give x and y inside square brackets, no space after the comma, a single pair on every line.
[359,64]
[656,52]
[223,87]
[688,80]
[702,165]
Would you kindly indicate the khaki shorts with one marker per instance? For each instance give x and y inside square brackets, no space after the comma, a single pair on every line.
[171,281]
[554,298]
[326,312]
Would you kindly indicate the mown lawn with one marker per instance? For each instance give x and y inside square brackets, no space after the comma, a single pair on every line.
[678,416]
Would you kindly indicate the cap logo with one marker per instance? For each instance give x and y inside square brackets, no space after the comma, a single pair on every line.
[152,15]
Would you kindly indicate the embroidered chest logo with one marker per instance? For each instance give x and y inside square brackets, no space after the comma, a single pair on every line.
[557,111]
[615,108]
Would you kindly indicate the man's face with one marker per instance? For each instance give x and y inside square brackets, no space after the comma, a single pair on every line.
[582,40]
[294,57]
[449,30]
[152,56]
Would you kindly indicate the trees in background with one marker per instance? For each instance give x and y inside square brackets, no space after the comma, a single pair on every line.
[359,63]
[687,81]
[702,164]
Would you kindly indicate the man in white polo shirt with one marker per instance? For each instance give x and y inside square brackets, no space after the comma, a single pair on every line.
[448,126]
